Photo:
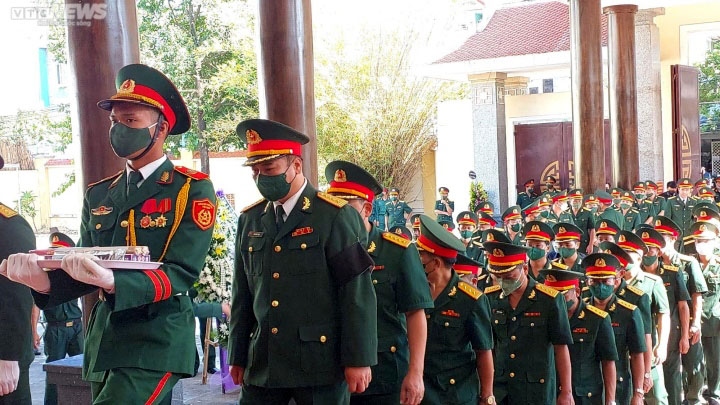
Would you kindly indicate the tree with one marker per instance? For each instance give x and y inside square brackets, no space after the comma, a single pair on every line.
[210,59]
[372,109]
[709,89]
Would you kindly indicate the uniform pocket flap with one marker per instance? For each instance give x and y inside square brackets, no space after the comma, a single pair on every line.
[318,333]
[103,222]
[391,343]
[254,244]
[304,241]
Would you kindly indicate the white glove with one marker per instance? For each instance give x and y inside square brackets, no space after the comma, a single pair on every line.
[9,375]
[23,268]
[84,268]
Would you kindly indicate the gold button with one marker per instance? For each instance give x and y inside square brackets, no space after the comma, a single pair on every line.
[276,276]
[496,322]
[278,248]
[374,281]
[274,331]
[124,223]
[621,379]
[581,339]
[514,318]
[98,226]
[250,249]
[393,349]
[427,316]
[323,339]
[274,303]
[452,381]
[542,381]
[513,337]
[447,324]
[532,324]
[589,394]
[512,355]
[303,246]
[512,375]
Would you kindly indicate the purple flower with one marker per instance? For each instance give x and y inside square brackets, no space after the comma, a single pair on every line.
[220,193]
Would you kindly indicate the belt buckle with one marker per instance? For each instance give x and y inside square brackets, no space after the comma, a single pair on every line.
[68,324]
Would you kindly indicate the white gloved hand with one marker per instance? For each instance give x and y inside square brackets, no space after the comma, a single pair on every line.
[84,268]
[9,375]
[23,268]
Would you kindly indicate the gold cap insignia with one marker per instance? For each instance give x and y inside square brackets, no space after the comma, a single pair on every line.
[498,253]
[603,225]
[55,238]
[645,235]
[466,216]
[561,229]
[128,86]
[253,138]
[702,228]
[550,278]
[600,263]
[621,238]
[340,176]
[703,213]
[490,237]
[514,211]
[486,206]
[535,228]
[658,223]
[398,231]
[446,226]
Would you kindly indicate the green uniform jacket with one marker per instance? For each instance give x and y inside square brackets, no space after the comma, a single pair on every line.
[681,212]
[66,311]
[524,338]
[640,299]
[396,213]
[303,302]
[15,299]
[646,208]
[711,300]
[585,220]
[400,286]
[658,204]
[654,287]
[675,288]
[593,342]
[631,220]
[458,326]
[540,278]
[148,323]
[524,200]
[565,216]
[613,215]
[441,207]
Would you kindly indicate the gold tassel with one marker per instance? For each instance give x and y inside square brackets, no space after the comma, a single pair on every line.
[180,206]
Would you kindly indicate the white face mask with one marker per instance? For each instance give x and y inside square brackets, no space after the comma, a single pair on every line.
[704,249]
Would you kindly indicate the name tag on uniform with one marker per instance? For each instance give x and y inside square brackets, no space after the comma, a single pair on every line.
[255,234]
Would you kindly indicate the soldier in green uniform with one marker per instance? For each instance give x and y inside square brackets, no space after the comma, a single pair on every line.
[487,207]
[653,286]
[631,216]
[538,238]
[583,219]
[415,226]
[16,353]
[380,210]
[568,238]
[141,334]
[512,221]
[678,297]
[63,331]
[560,211]
[710,326]
[397,210]
[606,231]
[444,207]
[527,314]
[705,194]
[467,225]
[603,277]
[304,312]
[605,209]
[593,352]
[645,207]
[704,234]
[458,357]
[526,197]
[468,270]
[651,195]
[679,208]
[402,232]
[551,186]
[402,296]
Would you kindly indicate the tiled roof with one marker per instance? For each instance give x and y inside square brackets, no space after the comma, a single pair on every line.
[535,28]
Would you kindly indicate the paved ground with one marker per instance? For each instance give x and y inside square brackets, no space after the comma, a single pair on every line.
[194,392]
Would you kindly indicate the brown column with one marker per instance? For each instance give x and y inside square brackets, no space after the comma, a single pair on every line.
[587,94]
[623,95]
[98,48]
[286,68]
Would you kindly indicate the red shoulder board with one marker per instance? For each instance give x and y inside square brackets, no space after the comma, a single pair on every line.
[193,174]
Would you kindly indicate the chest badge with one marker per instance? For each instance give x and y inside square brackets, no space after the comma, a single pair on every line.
[101,210]
[450,313]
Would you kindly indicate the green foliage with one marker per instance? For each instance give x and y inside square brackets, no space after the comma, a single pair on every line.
[69,181]
[51,126]
[372,110]
[709,89]
[478,195]
[206,47]
[26,206]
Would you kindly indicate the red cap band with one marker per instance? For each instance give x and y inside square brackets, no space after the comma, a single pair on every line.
[432,247]
[348,187]
[274,147]
[466,269]
[563,285]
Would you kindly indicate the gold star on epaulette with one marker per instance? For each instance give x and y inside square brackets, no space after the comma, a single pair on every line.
[452,292]
[372,247]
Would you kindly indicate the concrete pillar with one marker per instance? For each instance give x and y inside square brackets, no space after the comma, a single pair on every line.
[649,101]
[96,52]
[623,94]
[286,70]
[489,135]
[587,94]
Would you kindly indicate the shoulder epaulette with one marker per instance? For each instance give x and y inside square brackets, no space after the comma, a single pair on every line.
[670,267]
[396,239]
[585,209]
[253,205]
[559,265]
[626,304]
[635,290]
[597,311]
[648,201]
[689,237]
[547,290]
[492,289]
[473,292]
[634,210]
[586,288]
[673,198]
[193,174]
[7,212]
[653,277]
[331,199]
[113,177]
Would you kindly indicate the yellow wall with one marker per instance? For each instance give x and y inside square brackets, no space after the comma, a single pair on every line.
[669,27]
